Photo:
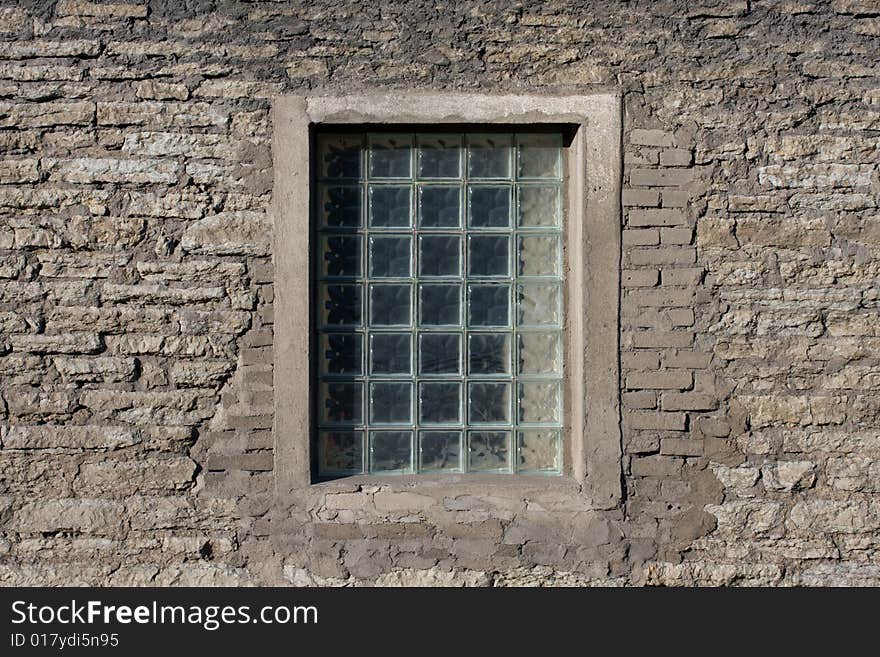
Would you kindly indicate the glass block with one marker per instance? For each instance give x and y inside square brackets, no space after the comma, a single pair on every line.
[342,353]
[390,256]
[340,452]
[539,353]
[390,305]
[391,452]
[340,156]
[440,403]
[389,206]
[439,353]
[440,156]
[488,353]
[489,305]
[340,305]
[539,156]
[489,156]
[538,255]
[538,206]
[489,403]
[439,255]
[488,255]
[341,206]
[440,305]
[538,401]
[390,156]
[390,353]
[439,207]
[538,305]
[538,451]
[391,403]
[440,451]
[489,451]
[341,255]
[342,403]
[489,207]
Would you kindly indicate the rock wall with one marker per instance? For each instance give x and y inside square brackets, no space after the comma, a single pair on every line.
[136,291]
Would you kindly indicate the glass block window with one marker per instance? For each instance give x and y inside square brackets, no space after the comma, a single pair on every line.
[439,309]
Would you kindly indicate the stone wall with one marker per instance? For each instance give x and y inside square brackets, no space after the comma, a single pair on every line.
[136,293]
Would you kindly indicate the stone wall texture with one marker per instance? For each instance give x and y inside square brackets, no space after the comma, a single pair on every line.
[136,293]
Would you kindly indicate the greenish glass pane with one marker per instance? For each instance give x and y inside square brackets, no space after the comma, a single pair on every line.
[538,206]
[538,402]
[489,156]
[391,403]
[440,451]
[390,156]
[391,452]
[538,305]
[489,451]
[538,255]
[540,353]
[340,452]
[539,156]
[340,156]
[538,451]
[390,256]
[440,156]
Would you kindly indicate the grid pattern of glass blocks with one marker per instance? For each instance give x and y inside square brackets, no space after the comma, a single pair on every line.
[439,303]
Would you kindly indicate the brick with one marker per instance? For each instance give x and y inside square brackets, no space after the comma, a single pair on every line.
[655,466]
[639,400]
[251,461]
[640,360]
[674,199]
[640,277]
[660,380]
[684,276]
[658,217]
[688,401]
[660,177]
[409,502]
[686,359]
[652,339]
[680,447]
[647,198]
[663,256]
[643,137]
[676,157]
[661,297]
[679,317]
[676,235]
[644,237]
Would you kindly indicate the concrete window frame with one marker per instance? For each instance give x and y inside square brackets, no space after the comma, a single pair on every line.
[592,443]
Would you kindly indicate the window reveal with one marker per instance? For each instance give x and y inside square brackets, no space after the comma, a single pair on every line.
[439,303]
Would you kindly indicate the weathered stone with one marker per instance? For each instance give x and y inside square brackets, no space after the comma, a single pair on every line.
[69,436]
[789,475]
[63,343]
[200,373]
[84,370]
[109,170]
[230,233]
[160,294]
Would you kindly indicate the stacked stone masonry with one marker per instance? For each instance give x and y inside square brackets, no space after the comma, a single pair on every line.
[136,293]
